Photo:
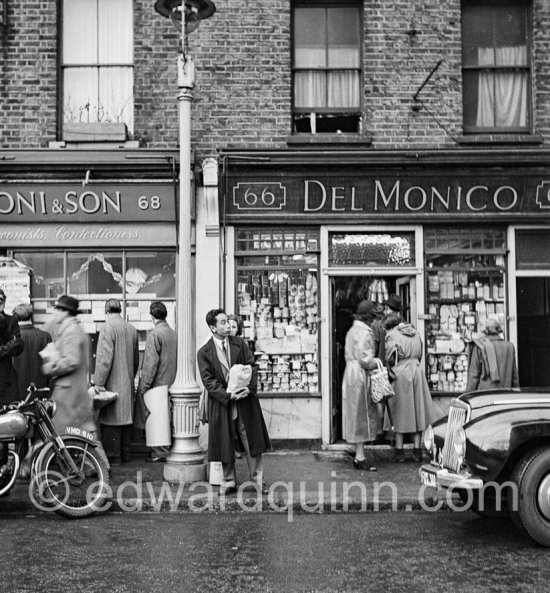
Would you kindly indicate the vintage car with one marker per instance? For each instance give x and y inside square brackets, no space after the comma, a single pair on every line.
[493,450]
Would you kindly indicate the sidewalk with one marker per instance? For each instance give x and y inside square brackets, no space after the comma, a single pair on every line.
[299,481]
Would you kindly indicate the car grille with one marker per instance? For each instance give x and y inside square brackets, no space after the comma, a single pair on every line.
[457,418]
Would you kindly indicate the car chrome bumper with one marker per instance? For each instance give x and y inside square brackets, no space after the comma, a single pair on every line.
[437,477]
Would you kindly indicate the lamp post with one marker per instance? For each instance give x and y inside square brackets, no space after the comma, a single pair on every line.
[185,463]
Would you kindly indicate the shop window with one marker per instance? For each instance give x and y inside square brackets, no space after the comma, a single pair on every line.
[277,298]
[97,68]
[372,249]
[135,278]
[532,250]
[327,67]
[465,276]
[496,66]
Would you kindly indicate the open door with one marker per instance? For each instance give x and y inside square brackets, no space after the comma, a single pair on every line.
[346,293]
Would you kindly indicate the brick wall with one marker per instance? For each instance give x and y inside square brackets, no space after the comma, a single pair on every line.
[243,90]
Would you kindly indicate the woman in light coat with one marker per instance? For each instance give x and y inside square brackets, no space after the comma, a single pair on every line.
[359,412]
[413,401]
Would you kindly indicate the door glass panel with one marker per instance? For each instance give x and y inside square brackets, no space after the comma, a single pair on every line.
[372,249]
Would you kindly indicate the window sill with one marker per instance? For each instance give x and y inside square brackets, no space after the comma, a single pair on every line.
[95,132]
[500,139]
[333,140]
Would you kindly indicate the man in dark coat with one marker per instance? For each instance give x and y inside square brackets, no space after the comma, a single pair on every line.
[235,418]
[28,364]
[11,345]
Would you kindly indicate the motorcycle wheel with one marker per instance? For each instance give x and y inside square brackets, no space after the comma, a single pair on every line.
[73,496]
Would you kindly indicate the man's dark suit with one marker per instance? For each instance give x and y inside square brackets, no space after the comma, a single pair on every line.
[223,433]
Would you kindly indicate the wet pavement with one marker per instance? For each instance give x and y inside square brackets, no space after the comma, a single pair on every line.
[416,552]
[299,480]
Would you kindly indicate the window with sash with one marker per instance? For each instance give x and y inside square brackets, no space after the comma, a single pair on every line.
[496,70]
[327,66]
[97,62]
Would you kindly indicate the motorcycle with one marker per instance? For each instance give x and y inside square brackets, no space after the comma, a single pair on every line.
[67,475]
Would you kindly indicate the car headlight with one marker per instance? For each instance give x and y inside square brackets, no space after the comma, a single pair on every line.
[429,440]
[459,444]
[51,407]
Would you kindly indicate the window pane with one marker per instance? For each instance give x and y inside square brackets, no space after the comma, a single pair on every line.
[80,89]
[79,32]
[532,249]
[152,275]
[115,32]
[310,37]
[310,89]
[47,274]
[97,273]
[343,37]
[115,95]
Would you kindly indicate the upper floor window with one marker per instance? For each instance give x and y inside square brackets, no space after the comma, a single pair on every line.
[97,62]
[327,67]
[495,66]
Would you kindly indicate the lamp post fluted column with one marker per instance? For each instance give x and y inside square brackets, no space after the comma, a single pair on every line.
[185,462]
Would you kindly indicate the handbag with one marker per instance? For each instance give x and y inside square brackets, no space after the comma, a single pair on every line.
[380,386]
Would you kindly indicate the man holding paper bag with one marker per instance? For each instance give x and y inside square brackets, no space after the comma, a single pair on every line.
[235,419]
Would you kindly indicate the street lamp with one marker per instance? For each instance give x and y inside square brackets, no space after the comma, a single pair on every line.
[185,463]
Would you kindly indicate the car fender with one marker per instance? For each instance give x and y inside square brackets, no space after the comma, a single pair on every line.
[492,439]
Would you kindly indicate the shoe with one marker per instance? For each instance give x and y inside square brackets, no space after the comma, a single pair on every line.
[399,456]
[417,455]
[225,490]
[238,455]
[363,464]
[153,459]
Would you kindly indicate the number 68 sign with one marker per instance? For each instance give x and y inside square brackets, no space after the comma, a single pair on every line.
[259,196]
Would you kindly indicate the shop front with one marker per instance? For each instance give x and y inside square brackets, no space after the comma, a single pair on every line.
[307,236]
[105,240]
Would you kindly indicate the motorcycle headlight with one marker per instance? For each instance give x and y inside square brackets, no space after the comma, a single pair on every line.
[429,441]
[459,444]
[51,407]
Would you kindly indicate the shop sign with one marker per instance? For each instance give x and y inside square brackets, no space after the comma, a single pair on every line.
[90,235]
[116,202]
[440,196]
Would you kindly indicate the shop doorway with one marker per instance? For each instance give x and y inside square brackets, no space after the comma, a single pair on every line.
[533,311]
[346,293]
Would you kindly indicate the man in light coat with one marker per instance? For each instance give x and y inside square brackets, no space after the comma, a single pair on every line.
[70,369]
[116,365]
[159,368]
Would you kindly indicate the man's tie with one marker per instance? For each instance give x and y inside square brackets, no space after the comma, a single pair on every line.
[226,352]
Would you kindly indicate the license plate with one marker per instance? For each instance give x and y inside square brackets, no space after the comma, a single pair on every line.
[428,477]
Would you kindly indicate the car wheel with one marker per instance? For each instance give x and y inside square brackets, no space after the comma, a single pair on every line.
[532,477]
[484,504]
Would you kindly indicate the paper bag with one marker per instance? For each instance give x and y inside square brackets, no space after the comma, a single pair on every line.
[157,424]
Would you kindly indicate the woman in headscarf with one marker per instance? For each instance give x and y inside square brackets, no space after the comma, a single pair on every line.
[359,411]
[413,400]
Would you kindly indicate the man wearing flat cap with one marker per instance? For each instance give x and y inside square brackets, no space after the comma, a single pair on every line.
[11,345]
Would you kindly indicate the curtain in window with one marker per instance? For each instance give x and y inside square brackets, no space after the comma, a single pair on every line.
[502,95]
[332,88]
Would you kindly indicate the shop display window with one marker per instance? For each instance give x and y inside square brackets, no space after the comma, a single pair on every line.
[466,280]
[277,299]
[136,278]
